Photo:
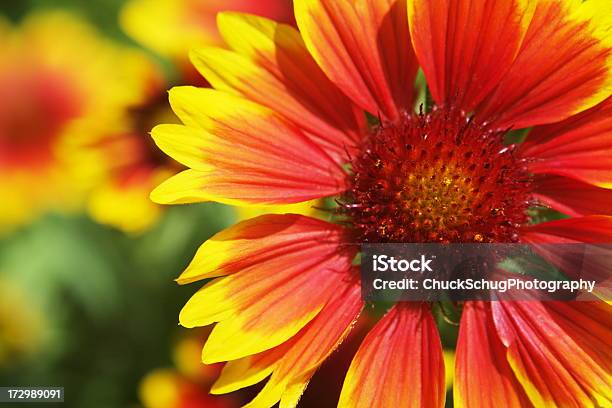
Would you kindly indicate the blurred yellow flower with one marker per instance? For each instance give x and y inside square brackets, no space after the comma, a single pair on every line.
[135,165]
[125,204]
[159,389]
[165,388]
[60,87]
[186,356]
[20,324]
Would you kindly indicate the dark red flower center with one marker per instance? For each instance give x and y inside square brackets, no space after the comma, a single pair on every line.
[437,177]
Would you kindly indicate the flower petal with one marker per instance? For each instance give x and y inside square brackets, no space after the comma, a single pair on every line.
[399,363]
[579,147]
[573,197]
[559,351]
[263,322]
[192,186]
[364,48]
[250,154]
[588,229]
[483,376]
[270,65]
[309,348]
[564,66]
[457,45]
[265,303]
[171,28]
[588,262]
[248,370]
[267,242]
[185,144]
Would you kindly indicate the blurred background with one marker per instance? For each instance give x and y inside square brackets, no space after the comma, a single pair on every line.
[87,262]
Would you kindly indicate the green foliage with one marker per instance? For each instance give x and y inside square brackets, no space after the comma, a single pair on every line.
[108,301]
[102,13]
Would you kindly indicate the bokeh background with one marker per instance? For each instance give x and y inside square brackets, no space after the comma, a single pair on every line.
[87,262]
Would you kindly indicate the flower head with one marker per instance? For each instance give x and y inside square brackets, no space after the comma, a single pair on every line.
[51,109]
[437,177]
[328,110]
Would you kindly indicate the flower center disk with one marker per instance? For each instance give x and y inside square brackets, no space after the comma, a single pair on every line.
[437,177]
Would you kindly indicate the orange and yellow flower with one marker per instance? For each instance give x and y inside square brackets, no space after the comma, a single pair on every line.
[51,108]
[286,123]
[133,164]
